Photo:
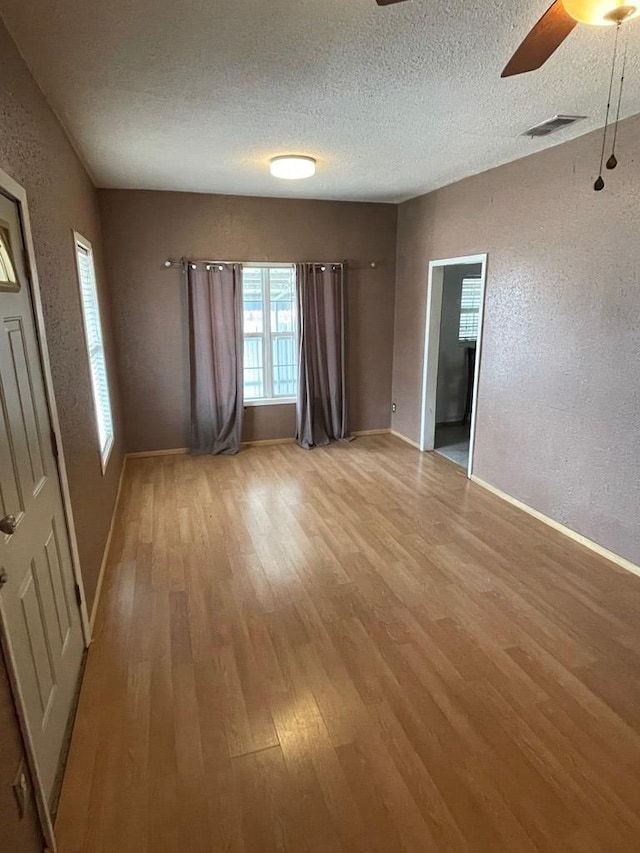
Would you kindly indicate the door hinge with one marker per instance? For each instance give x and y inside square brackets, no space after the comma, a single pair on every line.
[54,444]
[78,596]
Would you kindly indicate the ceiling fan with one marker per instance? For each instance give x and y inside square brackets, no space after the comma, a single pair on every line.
[553,28]
[556,24]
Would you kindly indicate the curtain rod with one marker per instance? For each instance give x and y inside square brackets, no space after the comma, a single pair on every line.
[184,261]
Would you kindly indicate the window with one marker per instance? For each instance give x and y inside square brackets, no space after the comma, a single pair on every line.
[8,278]
[469,309]
[269,325]
[95,348]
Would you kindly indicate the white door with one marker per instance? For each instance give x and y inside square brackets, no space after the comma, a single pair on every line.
[38,592]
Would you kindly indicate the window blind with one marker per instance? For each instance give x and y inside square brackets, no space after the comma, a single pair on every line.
[470,309]
[95,349]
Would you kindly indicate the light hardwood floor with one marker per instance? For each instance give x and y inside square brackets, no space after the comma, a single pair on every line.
[351,649]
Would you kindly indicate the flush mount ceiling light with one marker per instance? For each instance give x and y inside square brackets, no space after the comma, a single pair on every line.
[292,167]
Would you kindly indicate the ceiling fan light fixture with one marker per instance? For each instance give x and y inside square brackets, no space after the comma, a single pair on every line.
[600,13]
[292,167]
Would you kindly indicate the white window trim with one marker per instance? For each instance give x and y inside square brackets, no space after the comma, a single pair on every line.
[103,453]
[271,401]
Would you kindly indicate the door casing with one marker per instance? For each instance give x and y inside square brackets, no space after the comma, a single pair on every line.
[435,283]
[17,193]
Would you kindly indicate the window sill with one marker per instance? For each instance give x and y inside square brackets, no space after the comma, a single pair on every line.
[105,455]
[270,401]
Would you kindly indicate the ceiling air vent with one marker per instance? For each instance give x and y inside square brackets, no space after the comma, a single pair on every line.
[551,125]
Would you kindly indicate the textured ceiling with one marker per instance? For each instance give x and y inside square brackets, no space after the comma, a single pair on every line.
[391,101]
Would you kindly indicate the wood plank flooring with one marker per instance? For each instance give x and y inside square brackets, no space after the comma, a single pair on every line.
[351,650]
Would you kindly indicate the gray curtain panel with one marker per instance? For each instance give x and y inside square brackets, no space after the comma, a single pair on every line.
[321,411]
[215,332]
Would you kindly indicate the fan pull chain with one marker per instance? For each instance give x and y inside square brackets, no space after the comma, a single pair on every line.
[599,182]
[612,162]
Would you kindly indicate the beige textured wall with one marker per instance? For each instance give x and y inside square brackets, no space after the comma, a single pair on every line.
[35,152]
[559,397]
[142,229]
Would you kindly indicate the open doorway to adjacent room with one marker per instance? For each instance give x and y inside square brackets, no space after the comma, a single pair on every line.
[455,298]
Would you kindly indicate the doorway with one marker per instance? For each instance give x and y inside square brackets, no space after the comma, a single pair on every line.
[453,329]
[42,615]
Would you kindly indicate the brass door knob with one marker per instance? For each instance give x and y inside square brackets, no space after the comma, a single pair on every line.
[8,524]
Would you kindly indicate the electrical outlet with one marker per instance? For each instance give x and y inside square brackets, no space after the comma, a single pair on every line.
[393,407]
[21,791]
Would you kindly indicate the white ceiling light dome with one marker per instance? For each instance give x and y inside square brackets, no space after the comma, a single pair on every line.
[292,167]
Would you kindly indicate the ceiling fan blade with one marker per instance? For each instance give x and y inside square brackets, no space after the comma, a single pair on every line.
[388,2]
[546,37]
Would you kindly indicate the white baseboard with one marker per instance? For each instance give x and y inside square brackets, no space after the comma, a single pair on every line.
[177,451]
[264,442]
[405,438]
[561,528]
[107,547]
[260,442]
[172,451]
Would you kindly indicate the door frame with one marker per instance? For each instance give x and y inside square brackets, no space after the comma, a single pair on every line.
[17,193]
[431,351]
